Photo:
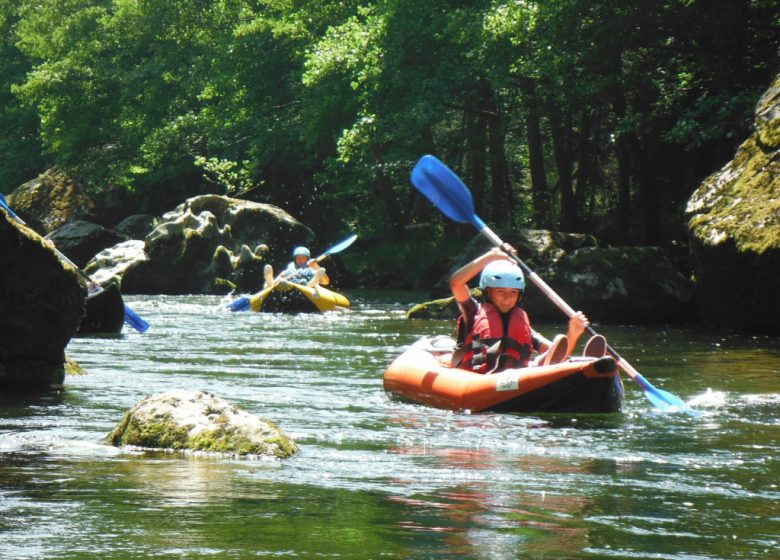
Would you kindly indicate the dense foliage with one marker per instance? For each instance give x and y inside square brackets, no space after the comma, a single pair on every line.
[580,115]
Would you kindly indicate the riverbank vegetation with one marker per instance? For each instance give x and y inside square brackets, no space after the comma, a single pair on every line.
[599,116]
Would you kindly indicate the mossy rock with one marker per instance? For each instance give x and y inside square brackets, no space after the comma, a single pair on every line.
[444,308]
[51,200]
[734,225]
[197,421]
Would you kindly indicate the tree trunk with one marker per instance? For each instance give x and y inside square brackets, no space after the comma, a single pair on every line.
[561,136]
[476,163]
[648,195]
[623,152]
[540,192]
[503,197]
[499,173]
[583,171]
[394,223]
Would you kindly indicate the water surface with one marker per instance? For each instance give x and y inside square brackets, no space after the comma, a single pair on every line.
[376,478]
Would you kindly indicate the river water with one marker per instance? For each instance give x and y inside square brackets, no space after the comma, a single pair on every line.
[376,478]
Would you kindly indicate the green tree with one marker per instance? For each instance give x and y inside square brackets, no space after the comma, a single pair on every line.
[20,148]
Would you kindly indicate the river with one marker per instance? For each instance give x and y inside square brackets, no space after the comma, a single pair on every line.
[376,478]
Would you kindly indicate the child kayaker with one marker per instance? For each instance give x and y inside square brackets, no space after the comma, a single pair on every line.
[302,270]
[496,334]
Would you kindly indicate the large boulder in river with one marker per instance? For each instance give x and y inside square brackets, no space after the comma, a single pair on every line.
[196,421]
[41,305]
[610,284]
[734,226]
[50,201]
[212,244]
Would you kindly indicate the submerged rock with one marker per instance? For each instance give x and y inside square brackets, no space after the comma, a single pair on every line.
[197,421]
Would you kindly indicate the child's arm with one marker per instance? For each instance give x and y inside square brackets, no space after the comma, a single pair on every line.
[460,278]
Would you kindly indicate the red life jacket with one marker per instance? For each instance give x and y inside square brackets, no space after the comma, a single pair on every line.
[487,333]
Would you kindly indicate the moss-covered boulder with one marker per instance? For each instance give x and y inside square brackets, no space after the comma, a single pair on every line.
[196,421]
[734,227]
[209,245]
[443,308]
[51,200]
[41,305]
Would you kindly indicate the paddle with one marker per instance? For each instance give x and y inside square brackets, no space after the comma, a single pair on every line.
[131,317]
[447,192]
[243,303]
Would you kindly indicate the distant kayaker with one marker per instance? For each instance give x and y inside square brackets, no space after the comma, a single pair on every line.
[302,270]
[482,345]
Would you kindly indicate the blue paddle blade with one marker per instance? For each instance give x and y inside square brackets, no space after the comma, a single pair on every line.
[439,184]
[241,304]
[663,400]
[338,247]
[135,321]
[4,206]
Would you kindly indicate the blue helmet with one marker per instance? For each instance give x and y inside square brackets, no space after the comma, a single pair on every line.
[301,251]
[502,274]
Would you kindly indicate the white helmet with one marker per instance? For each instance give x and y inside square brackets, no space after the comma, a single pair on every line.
[502,274]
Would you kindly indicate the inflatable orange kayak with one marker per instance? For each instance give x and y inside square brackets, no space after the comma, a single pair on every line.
[422,374]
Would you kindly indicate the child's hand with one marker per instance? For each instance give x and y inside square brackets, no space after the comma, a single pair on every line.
[577,324]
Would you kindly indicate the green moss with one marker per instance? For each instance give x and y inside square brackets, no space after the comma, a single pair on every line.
[224,286]
[444,308]
[747,208]
[221,440]
[72,367]
[161,434]
[285,447]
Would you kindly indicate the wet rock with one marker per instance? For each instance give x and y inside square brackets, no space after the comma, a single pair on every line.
[41,305]
[734,227]
[197,421]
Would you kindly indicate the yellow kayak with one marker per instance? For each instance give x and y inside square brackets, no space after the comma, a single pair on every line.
[297,298]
